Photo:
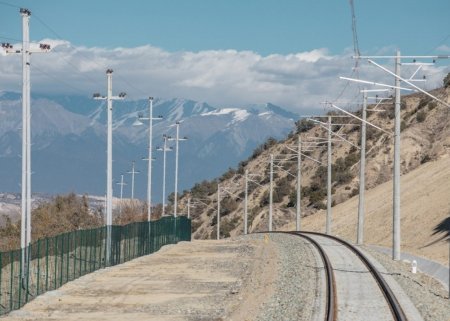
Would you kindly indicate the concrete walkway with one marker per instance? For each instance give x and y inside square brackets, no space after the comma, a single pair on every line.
[438,271]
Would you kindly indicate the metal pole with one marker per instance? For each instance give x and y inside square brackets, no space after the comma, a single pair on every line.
[121,191]
[164,176]
[189,208]
[396,204]
[150,150]
[121,187]
[362,173]
[246,203]
[25,238]
[109,167]
[328,223]
[132,181]
[299,184]
[271,193]
[218,212]
[176,170]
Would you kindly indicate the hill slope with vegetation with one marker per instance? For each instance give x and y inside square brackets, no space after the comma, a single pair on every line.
[425,140]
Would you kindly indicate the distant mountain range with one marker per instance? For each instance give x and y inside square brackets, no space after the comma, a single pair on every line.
[69,141]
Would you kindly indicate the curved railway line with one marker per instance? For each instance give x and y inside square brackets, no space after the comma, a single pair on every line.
[332,309]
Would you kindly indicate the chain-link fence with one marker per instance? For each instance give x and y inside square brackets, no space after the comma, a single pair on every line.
[49,263]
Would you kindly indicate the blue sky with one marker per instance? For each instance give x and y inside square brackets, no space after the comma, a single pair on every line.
[233,52]
[263,26]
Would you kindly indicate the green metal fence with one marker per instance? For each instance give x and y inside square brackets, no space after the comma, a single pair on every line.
[49,263]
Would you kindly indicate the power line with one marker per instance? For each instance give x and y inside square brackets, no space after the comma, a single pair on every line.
[439,43]
[7,4]
[56,78]
[119,77]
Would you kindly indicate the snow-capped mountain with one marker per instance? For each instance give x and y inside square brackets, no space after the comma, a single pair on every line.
[69,141]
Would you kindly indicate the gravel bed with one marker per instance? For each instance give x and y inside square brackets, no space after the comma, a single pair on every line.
[298,281]
[427,294]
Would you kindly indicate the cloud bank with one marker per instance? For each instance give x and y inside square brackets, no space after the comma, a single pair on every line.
[220,77]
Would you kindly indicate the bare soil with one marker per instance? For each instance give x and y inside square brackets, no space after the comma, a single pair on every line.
[201,280]
[425,200]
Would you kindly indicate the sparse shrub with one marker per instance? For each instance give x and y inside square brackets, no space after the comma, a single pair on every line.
[432,105]
[320,206]
[354,192]
[227,226]
[292,199]
[304,125]
[228,174]
[423,102]
[351,159]
[447,80]
[426,158]
[195,224]
[421,116]
[402,125]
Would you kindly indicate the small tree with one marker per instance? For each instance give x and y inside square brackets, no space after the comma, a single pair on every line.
[447,80]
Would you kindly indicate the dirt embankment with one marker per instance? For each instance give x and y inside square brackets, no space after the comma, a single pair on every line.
[425,200]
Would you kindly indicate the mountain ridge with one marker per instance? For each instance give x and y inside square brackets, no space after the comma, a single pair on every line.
[68,128]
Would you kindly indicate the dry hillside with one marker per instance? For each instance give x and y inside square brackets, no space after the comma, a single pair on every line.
[425,164]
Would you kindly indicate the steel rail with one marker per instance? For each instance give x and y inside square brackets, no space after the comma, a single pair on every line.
[394,305]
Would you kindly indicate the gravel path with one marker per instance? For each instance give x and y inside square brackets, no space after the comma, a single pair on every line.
[299,282]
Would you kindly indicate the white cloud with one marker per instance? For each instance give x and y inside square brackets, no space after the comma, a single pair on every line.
[220,77]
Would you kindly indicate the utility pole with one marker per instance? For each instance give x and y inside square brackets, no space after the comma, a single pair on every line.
[176,139]
[25,51]
[189,207]
[122,183]
[246,203]
[164,149]
[109,181]
[328,223]
[218,212]
[299,184]
[396,217]
[149,158]
[271,193]
[132,172]
[396,238]
[362,173]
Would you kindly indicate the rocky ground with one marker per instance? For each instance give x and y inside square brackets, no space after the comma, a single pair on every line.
[248,278]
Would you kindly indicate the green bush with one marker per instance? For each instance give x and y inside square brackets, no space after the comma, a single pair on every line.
[447,80]
[423,102]
[402,125]
[421,116]
[426,158]
[304,125]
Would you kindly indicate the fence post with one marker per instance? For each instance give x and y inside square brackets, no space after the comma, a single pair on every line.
[38,266]
[95,249]
[67,256]
[55,255]
[46,264]
[1,274]
[20,279]
[27,290]
[11,277]
[62,260]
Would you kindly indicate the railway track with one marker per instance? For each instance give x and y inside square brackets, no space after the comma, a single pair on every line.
[353,279]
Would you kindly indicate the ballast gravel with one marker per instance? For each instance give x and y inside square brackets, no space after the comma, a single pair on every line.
[297,294]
